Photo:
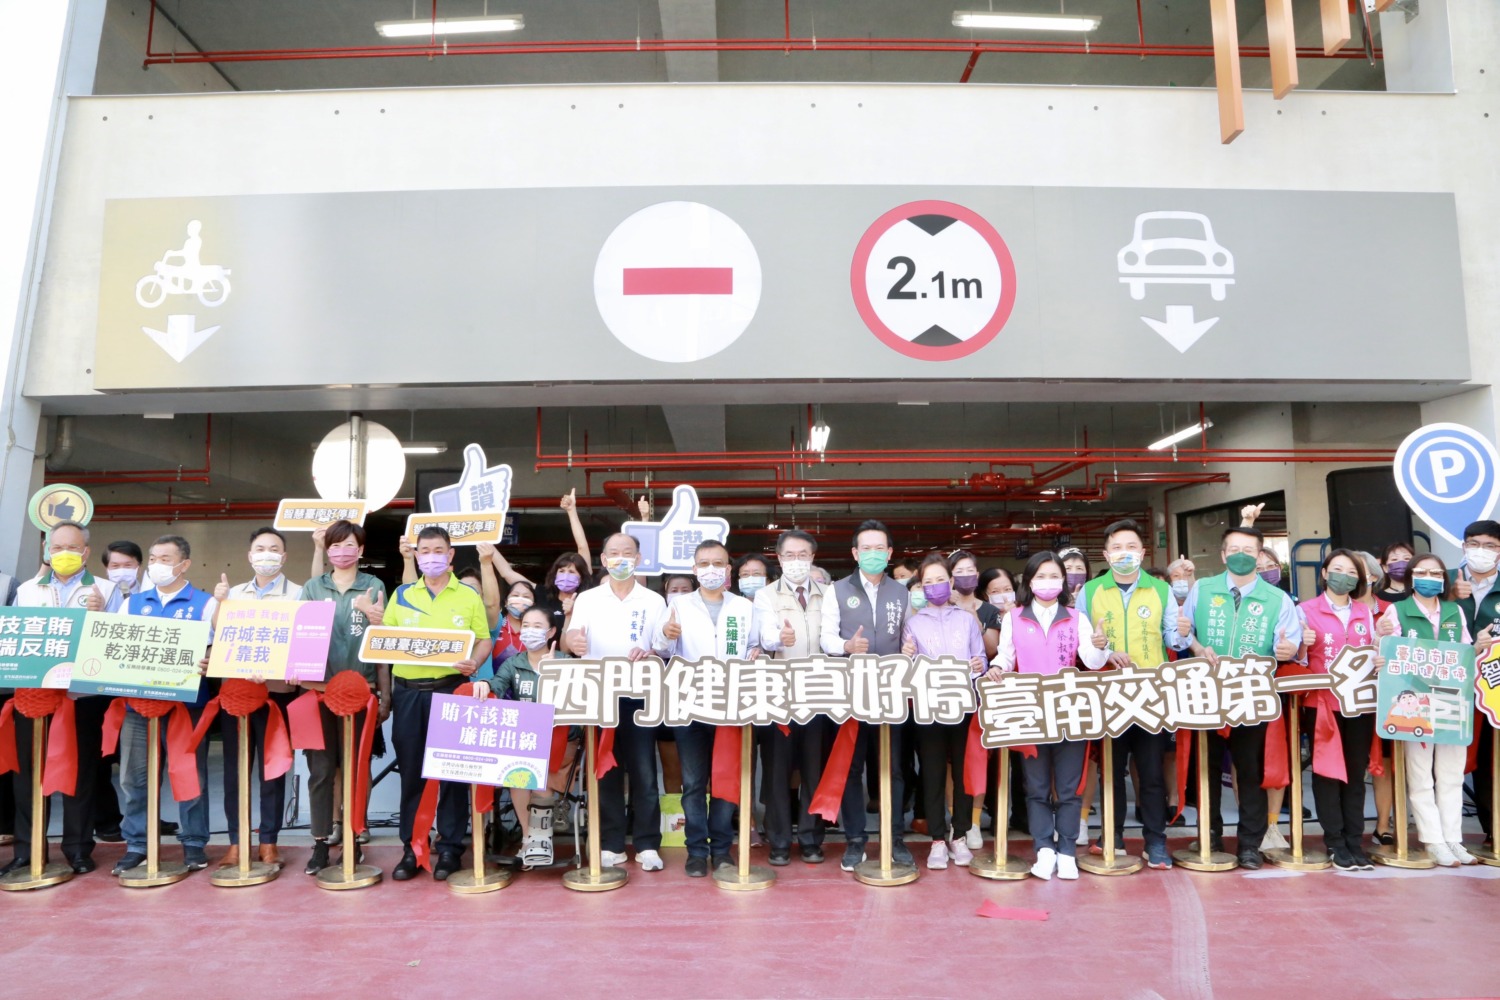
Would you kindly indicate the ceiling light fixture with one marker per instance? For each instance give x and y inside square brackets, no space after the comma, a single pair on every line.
[424,448]
[1024,22]
[817,434]
[1181,435]
[428,27]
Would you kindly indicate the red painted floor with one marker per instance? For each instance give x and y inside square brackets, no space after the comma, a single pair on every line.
[816,933]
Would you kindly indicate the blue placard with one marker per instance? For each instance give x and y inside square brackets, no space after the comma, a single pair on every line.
[1447,475]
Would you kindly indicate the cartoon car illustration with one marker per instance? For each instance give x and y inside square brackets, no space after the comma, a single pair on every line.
[1408,715]
[1416,725]
[1175,248]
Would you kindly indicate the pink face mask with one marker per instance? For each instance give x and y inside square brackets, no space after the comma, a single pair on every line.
[1046,591]
[343,558]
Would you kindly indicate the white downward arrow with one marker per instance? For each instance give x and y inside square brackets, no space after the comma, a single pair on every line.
[182,336]
[1179,329]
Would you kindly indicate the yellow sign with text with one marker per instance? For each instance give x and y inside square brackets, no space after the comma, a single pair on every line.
[426,647]
[468,528]
[310,515]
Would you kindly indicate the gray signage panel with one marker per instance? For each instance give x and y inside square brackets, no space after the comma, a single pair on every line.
[772,283]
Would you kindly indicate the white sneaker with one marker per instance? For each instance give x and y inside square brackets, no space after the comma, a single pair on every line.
[960,853]
[1442,855]
[1463,856]
[1067,866]
[1046,861]
[612,859]
[937,857]
[649,861]
[1273,840]
[973,839]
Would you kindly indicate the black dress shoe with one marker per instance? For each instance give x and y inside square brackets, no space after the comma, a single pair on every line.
[781,857]
[109,835]
[1250,860]
[82,866]
[697,867]
[15,865]
[723,861]
[406,868]
[127,861]
[812,855]
[447,864]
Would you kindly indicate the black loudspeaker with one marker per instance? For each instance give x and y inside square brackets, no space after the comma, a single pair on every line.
[1365,510]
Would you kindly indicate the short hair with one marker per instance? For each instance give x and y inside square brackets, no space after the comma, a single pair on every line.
[1155,571]
[573,561]
[1074,552]
[124,547]
[184,550]
[530,589]
[268,530]
[434,531]
[1125,524]
[1491,528]
[636,542]
[82,529]
[338,531]
[908,563]
[1184,562]
[955,557]
[992,574]
[874,525]
[1427,557]
[750,557]
[1035,563]
[1244,529]
[795,535]
[540,609]
[709,543]
[1359,568]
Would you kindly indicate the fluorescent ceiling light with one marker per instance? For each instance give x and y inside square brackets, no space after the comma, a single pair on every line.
[424,448]
[427,27]
[817,437]
[1024,22]
[1181,435]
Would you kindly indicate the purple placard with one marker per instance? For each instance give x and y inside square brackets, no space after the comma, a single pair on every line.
[312,631]
[488,741]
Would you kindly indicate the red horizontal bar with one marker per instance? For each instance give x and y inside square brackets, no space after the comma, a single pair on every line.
[679,281]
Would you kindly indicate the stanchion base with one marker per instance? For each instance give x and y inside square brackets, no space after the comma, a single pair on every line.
[1387,855]
[1217,861]
[138,878]
[1311,861]
[1486,855]
[870,873]
[986,865]
[20,880]
[728,877]
[233,875]
[468,883]
[333,877]
[1123,864]
[581,880]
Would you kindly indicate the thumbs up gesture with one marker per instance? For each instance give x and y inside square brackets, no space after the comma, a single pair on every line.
[1249,513]
[671,629]
[858,644]
[1385,626]
[569,500]
[1184,627]
[1462,588]
[371,605]
[1101,641]
[1309,635]
[221,590]
[578,642]
[94,601]
[788,634]
[908,645]
[1286,648]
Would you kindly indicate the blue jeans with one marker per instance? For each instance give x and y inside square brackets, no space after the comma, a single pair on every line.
[710,824]
[192,827]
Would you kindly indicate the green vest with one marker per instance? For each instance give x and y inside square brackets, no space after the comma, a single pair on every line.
[1136,628]
[1416,625]
[1250,631]
[1487,611]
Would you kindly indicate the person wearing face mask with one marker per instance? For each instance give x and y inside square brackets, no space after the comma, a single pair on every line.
[865,615]
[267,556]
[1042,635]
[566,579]
[171,597]
[905,571]
[64,583]
[1474,589]
[1434,772]
[1182,573]
[1235,615]
[751,575]
[967,595]
[1394,559]
[1138,618]
[518,600]
[789,615]
[1077,567]
[1337,618]
[916,597]
[437,600]
[122,564]
[711,622]
[942,628]
[617,619]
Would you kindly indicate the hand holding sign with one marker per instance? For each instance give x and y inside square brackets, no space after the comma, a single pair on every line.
[667,546]
[1447,475]
[479,488]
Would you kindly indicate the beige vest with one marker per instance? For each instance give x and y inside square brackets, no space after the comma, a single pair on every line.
[807,624]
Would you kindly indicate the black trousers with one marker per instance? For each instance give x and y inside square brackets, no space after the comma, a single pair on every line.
[272,791]
[1247,749]
[1341,804]
[1147,749]
[635,752]
[852,810]
[78,808]
[1483,774]
[322,790]
[941,745]
[409,712]
[804,749]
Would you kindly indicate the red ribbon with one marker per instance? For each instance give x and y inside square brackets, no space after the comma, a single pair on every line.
[346,694]
[1083,776]
[1277,768]
[182,750]
[724,780]
[114,718]
[362,762]
[1377,756]
[61,774]
[976,771]
[9,760]
[1328,742]
[830,794]
[305,721]
[559,749]
[421,824]
[605,761]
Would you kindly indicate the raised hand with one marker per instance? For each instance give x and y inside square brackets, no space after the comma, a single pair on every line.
[221,591]
[858,644]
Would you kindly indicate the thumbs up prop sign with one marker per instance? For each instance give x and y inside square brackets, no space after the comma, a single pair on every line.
[667,545]
[481,487]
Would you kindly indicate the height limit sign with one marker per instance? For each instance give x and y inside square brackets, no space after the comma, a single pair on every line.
[933,280]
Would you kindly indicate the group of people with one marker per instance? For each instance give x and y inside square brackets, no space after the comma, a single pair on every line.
[1055,614]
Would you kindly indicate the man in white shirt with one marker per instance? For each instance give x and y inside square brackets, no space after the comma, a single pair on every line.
[619,620]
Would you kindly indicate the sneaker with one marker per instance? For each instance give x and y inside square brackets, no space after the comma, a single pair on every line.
[813,855]
[937,858]
[1045,864]
[649,861]
[697,867]
[128,861]
[1067,866]
[1463,856]
[1157,857]
[612,859]
[973,840]
[1344,861]
[900,853]
[195,858]
[721,861]
[319,859]
[1442,855]
[1273,840]
[959,851]
[1363,860]
[854,856]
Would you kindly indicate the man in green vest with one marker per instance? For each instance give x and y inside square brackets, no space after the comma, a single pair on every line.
[1139,616]
[1473,587]
[1237,615]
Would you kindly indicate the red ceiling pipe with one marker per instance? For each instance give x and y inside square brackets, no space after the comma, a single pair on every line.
[177,475]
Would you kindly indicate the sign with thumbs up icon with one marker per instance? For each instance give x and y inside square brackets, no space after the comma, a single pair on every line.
[472,510]
[59,502]
[667,545]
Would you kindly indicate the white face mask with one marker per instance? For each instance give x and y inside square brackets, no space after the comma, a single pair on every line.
[1479,560]
[161,574]
[123,577]
[712,577]
[267,563]
[796,570]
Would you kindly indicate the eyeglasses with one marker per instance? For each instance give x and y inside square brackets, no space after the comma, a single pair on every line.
[1428,574]
[1487,546]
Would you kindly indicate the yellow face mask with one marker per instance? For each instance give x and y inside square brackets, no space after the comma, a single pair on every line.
[66,563]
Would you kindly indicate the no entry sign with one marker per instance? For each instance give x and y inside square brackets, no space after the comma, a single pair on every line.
[933,280]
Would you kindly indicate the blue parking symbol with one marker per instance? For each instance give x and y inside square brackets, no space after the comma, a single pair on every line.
[1447,475]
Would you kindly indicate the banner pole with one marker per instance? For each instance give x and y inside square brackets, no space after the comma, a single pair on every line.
[998,864]
[886,871]
[1108,864]
[153,872]
[595,877]
[1400,857]
[745,876]
[349,874]
[479,879]
[247,872]
[1205,858]
[1296,859]
[38,874]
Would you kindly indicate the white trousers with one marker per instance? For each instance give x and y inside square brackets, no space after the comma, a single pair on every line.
[1435,785]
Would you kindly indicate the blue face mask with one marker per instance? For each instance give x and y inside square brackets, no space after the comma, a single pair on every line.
[918,599]
[1428,587]
[1181,588]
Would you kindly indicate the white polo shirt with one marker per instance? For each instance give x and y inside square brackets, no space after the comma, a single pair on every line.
[617,625]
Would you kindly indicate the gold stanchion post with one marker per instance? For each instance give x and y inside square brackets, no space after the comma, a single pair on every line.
[1107,863]
[886,871]
[745,876]
[1205,858]
[153,872]
[348,874]
[247,872]
[1398,856]
[1490,855]
[595,877]
[37,875]
[1296,858]
[480,879]
[998,863]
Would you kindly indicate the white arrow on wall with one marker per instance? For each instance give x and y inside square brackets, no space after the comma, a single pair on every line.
[1179,328]
[181,337]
